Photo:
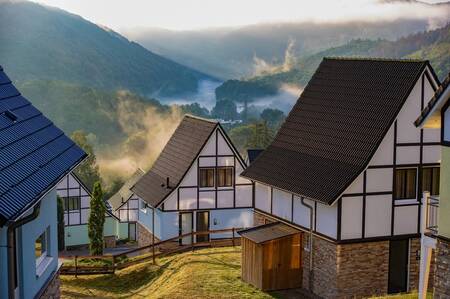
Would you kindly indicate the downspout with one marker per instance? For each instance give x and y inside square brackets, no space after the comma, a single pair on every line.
[11,246]
[311,272]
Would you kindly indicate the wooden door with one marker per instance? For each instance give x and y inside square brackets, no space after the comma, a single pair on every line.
[282,265]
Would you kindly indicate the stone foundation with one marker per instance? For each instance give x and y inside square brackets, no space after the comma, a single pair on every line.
[110,241]
[52,290]
[144,236]
[442,270]
[355,270]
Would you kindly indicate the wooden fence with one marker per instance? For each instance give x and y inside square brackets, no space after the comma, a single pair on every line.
[108,264]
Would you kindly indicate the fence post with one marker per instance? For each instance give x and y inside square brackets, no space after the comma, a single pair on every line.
[114,263]
[76,266]
[192,240]
[232,240]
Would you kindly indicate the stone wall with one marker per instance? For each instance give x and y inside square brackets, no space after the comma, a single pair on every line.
[144,236]
[353,270]
[52,290]
[362,269]
[442,272]
[110,241]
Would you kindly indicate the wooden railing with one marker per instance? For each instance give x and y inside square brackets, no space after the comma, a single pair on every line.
[108,264]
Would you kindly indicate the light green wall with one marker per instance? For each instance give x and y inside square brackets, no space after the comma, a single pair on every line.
[444,200]
[78,234]
[122,230]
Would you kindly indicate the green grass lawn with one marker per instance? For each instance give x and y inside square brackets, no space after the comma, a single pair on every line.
[205,273]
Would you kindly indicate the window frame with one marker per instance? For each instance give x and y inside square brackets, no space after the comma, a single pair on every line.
[225,168]
[45,258]
[432,168]
[200,169]
[405,197]
[70,199]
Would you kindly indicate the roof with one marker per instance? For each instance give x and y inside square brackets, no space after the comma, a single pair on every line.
[253,154]
[336,126]
[122,196]
[175,159]
[34,154]
[268,232]
[435,103]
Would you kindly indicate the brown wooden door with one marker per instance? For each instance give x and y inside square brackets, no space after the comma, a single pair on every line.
[202,225]
[282,263]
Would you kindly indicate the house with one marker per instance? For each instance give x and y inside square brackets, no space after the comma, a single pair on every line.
[35,156]
[125,206]
[436,209]
[347,169]
[194,185]
[77,197]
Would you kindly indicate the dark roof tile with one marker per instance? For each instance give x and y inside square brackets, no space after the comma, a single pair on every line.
[175,159]
[34,153]
[336,126]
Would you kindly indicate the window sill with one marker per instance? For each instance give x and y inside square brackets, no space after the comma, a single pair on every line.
[42,264]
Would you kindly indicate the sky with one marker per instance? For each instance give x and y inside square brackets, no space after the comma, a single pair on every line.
[199,14]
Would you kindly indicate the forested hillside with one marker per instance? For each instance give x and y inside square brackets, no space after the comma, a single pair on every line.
[39,42]
[432,45]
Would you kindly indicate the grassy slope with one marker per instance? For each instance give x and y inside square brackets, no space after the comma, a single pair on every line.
[206,273]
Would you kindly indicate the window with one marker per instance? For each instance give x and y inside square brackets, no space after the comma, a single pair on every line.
[225,176]
[405,183]
[430,180]
[143,204]
[41,251]
[72,203]
[206,177]
[41,246]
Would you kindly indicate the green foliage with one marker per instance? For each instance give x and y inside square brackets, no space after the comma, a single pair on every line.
[60,216]
[254,135]
[73,107]
[273,117]
[195,109]
[88,171]
[114,186]
[432,45]
[96,221]
[50,44]
[225,109]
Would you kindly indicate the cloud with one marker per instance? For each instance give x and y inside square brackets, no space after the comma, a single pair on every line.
[206,13]
[148,130]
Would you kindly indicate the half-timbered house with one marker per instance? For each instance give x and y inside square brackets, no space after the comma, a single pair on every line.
[195,185]
[77,197]
[125,205]
[347,169]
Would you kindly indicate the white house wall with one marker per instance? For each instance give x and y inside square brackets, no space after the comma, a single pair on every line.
[217,152]
[367,208]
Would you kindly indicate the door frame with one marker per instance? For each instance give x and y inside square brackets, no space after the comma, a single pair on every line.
[180,228]
[135,231]
[209,224]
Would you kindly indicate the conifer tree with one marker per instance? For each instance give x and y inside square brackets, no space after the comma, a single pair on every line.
[96,221]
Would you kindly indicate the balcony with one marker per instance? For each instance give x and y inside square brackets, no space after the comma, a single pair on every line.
[430,210]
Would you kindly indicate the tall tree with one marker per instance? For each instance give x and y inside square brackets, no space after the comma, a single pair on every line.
[96,221]
[273,117]
[60,223]
[88,171]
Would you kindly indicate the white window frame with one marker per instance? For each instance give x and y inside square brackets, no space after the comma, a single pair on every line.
[44,260]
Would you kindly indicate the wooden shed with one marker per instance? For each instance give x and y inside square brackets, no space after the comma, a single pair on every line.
[271,256]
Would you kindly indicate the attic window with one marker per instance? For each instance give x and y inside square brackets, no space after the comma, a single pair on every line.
[11,115]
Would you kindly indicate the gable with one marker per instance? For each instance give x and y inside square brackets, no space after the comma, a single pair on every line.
[336,126]
[226,156]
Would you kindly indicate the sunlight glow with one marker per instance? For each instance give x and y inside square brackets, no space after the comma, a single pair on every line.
[195,14]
